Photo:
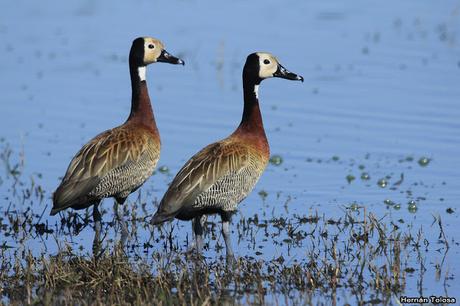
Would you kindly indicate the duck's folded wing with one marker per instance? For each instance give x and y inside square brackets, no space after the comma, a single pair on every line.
[104,153]
[199,174]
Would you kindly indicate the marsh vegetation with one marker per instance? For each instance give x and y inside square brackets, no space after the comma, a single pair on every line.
[317,258]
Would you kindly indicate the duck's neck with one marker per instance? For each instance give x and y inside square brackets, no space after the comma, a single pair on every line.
[141,108]
[251,122]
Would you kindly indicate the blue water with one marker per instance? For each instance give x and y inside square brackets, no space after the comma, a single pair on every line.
[381,84]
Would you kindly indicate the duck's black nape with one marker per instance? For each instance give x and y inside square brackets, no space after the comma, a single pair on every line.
[136,54]
[251,69]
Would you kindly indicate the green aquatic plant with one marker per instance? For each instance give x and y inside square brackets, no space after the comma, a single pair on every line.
[412,206]
[263,194]
[354,206]
[350,178]
[163,169]
[388,202]
[424,161]
[276,160]
[382,183]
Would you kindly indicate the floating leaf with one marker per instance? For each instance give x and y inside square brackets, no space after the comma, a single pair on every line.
[276,160]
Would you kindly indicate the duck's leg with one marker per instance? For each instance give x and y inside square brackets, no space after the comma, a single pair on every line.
[197,224]
[226,219]
[121,220]
[97,218]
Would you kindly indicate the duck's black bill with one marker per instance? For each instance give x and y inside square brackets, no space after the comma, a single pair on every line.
[165,57]
[283,73]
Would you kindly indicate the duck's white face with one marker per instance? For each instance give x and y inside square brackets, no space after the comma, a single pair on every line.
[152,50]
[268,65]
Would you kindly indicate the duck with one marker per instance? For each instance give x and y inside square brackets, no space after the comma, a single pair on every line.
[118,161]
[221,175]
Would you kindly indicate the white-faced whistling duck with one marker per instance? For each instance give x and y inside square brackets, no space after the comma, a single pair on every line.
[220,176]
[117,162]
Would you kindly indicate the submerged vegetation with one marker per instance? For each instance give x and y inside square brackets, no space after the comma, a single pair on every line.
[313,258]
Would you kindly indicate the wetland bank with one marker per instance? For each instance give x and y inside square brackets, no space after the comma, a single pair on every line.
[359,204]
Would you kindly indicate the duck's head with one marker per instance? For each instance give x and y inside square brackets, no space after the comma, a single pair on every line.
[263,65]
[148,50]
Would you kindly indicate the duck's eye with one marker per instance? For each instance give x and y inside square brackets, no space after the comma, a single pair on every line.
[266,62]
[151,46]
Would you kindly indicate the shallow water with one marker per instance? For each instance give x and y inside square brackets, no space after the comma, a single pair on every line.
[381,91]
